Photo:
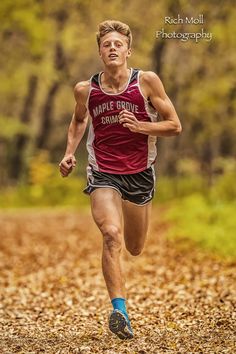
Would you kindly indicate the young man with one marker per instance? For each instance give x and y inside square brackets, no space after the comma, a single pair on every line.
[123,104]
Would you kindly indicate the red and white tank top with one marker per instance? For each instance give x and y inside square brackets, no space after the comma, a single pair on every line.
[113,148]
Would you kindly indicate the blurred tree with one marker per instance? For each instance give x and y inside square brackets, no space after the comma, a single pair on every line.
[21,138]
[47,47]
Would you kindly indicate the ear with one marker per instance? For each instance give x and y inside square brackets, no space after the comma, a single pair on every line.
[129,53]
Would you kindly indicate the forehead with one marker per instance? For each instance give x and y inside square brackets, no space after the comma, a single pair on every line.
[114,36]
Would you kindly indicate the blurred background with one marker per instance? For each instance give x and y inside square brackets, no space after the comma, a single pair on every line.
[48,46]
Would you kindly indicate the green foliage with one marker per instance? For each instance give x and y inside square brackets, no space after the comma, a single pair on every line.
[195,210]
[169,188]
[46,188]
[224,189]
[9,127]
[23,18]
[208,219]
[56,44]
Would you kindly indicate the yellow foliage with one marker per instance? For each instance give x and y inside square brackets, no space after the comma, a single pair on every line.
[40,169]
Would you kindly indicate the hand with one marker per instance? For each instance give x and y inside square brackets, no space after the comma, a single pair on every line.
[67,164]
[129,121]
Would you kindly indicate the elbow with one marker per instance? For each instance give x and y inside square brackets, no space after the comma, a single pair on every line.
[178,129]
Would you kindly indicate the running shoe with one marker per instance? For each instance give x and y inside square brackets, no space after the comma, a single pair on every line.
[120,325]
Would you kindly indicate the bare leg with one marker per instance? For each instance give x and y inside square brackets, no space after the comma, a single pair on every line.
[136,221]
[106,208]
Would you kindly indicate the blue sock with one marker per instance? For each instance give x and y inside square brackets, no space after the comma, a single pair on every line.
[119,304]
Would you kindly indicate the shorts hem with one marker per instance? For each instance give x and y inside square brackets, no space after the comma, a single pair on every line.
[139,204]
[96,186]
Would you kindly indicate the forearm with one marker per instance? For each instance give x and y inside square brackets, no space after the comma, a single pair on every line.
[163,128]
[75,133]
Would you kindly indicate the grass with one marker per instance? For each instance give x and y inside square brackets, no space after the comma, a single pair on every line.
[57,192]
[210,225]
[196,211]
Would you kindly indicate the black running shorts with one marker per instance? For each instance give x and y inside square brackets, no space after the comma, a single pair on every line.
[137,188]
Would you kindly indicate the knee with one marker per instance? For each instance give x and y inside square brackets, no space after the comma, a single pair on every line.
[111,237]
[135,251]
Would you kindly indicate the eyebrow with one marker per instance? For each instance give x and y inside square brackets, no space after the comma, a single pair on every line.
[108,41]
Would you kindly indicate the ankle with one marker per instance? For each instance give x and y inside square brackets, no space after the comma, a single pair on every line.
[118,303]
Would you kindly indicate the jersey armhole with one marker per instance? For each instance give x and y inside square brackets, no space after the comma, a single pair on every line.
[146,99]
[139,86]
[89,92]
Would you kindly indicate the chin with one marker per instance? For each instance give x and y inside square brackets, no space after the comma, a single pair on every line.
[113,63]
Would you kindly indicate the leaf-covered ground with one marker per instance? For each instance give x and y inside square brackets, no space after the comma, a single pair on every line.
[53,298]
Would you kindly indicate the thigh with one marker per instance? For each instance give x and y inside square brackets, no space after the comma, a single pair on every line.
[136,221]
[138,188]
[106,207]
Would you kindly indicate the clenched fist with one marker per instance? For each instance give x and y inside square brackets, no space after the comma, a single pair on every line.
[129,121]
[67,164]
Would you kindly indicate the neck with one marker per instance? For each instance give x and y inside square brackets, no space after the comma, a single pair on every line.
[115,77]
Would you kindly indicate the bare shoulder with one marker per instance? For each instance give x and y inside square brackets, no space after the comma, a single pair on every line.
[149,77]
[150,83]
[81,90]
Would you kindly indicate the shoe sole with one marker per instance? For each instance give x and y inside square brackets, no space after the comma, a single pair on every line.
[118,326]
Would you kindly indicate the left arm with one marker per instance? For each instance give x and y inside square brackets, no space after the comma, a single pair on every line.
[153,88]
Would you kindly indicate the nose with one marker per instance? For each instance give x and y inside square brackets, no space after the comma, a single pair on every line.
[112,45]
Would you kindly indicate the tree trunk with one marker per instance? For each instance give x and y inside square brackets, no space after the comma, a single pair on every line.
[206,161]
[47,113]
[47,110]
[158,52]
[17,159]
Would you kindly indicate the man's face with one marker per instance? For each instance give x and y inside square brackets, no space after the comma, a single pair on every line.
[114,49]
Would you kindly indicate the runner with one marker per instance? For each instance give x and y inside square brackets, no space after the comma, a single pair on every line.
[124,105]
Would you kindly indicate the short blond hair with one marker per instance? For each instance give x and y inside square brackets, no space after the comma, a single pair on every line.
[113,26]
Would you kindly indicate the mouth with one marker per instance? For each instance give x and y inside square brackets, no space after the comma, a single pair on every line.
[113,56]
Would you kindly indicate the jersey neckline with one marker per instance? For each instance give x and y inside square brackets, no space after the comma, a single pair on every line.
[116,93]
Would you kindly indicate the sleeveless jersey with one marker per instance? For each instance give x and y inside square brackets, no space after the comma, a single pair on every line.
[113,148]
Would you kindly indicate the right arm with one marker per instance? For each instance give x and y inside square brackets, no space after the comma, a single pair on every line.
[76,129]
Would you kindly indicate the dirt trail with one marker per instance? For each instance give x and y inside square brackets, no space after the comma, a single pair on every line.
[53,297]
